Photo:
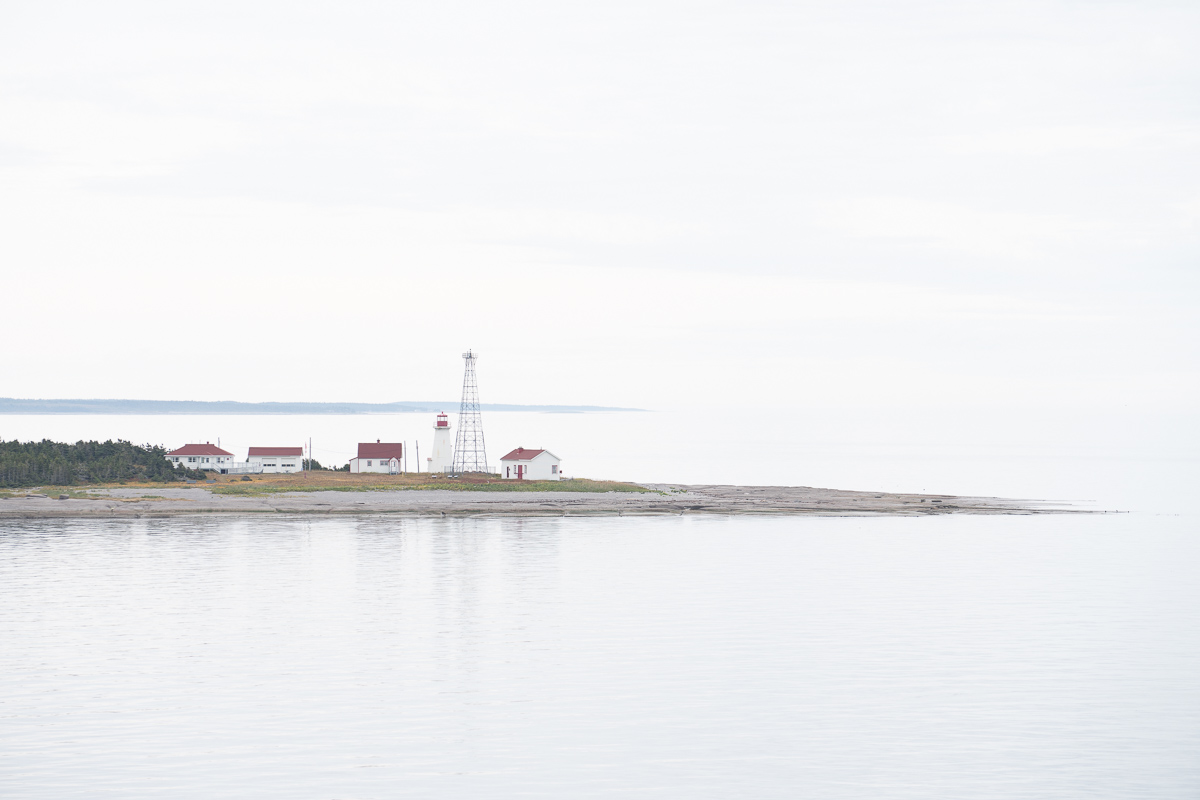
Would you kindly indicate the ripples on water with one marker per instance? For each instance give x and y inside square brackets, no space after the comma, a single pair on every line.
[1048,657]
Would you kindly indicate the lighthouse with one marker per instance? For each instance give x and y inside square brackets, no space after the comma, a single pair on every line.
[443,449]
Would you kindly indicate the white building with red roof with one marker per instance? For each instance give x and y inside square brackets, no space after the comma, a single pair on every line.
[276,459]
[531,465]
[201,456]
[377,456]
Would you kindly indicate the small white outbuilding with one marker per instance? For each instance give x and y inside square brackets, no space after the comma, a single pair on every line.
[377,456]
[531,465]
[276,459]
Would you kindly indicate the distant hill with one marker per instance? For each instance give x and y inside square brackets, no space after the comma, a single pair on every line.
[9,405]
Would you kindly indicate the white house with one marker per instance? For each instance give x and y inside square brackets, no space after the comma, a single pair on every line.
[531,465]
[201,456]
[276,459]
[377,456]
[443,446]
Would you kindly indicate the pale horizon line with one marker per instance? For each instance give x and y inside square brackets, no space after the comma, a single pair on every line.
[11,405]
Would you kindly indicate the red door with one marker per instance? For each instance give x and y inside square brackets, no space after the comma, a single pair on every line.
[520,472]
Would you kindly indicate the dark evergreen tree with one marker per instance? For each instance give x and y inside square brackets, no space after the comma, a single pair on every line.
[48,463]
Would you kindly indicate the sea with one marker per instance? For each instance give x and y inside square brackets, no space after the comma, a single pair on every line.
[1042,656]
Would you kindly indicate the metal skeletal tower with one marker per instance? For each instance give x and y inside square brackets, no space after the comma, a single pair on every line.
[469,452]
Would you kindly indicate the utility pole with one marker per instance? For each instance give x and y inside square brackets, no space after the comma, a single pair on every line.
[418,446]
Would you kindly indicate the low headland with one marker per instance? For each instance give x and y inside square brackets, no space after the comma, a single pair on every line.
[334,493]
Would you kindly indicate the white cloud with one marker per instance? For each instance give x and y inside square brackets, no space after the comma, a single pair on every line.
[86,139]
[1060,139]
[955,227]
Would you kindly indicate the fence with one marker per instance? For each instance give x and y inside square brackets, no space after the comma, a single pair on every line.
[242,468]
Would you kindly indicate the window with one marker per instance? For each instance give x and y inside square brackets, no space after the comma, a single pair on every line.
[554,469]
[369,464]
[289,465]
[191,459]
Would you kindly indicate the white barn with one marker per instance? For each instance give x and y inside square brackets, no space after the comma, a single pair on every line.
[201,456]
[377,456]
[276,459]
[531,465]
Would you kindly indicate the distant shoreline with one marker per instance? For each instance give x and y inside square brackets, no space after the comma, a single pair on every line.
[10,405]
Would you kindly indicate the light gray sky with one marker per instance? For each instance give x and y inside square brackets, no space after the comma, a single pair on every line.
[656,204]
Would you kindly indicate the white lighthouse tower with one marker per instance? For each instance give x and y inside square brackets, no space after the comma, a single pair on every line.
[443,446]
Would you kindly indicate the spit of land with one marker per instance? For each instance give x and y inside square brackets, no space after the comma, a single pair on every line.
[423,495]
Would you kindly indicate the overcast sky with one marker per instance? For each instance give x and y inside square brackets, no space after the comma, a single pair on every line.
[655,204]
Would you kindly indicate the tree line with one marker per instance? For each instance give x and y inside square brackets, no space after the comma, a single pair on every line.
[48,463]
[312,463]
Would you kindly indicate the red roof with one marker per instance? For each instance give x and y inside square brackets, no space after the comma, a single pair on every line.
[382,450]
[205,449]
[521,454]
[275,451]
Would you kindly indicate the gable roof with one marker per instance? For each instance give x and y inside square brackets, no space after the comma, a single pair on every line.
[205,449]
[380,450]
[521,454]
[275,451]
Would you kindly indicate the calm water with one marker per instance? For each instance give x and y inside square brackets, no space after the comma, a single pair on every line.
[1047,657]
[1038,657]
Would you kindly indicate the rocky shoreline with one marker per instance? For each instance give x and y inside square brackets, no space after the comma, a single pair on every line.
[664,499]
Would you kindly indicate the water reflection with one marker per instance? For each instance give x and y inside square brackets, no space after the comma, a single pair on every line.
[698,657]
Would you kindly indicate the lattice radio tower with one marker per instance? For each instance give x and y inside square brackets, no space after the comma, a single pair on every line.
[469,452]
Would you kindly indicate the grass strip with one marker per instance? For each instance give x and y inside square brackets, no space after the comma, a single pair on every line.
[574,485]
